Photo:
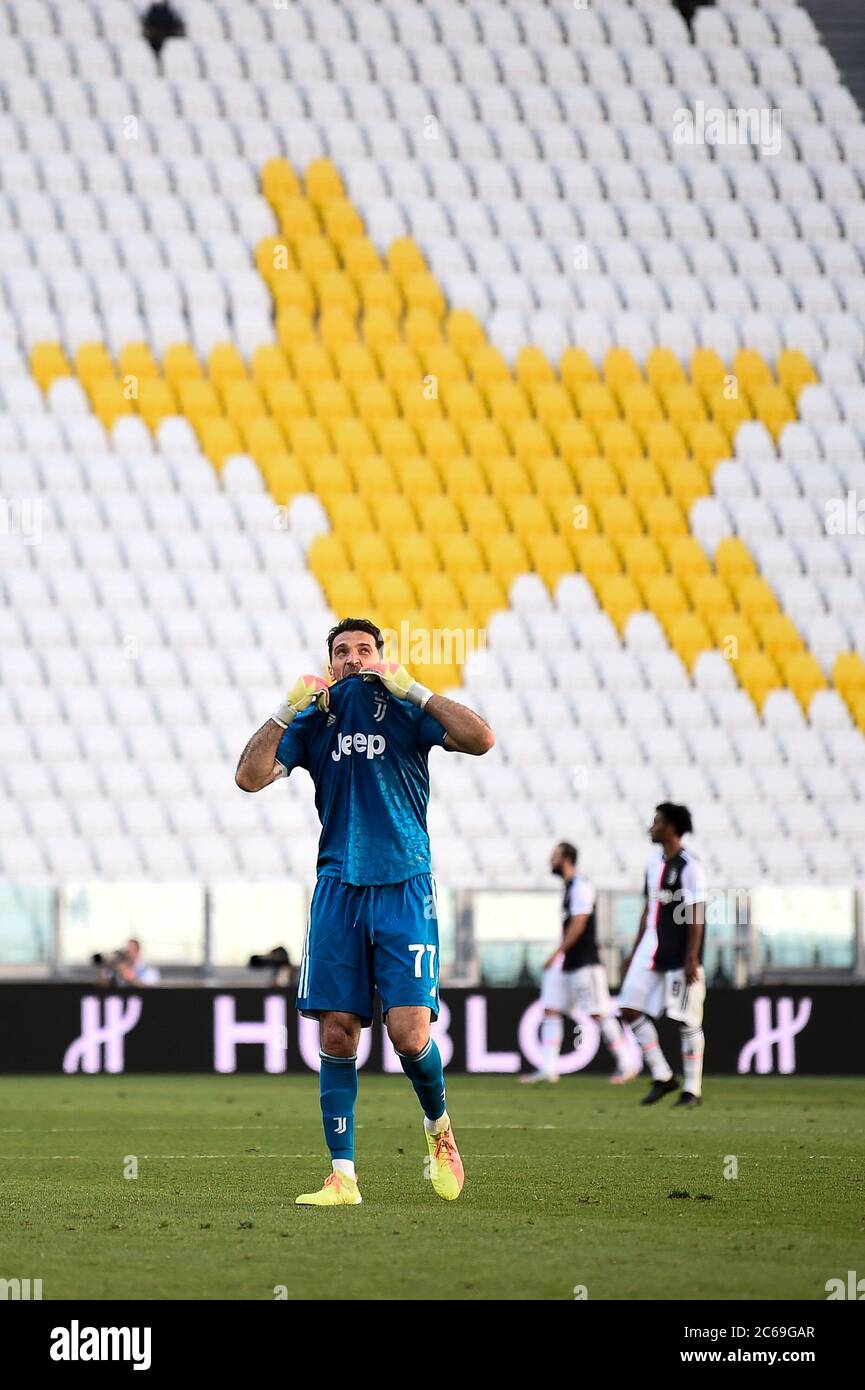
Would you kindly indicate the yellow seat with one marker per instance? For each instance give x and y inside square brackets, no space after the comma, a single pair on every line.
[733,559]
[156,400]
[136,360]
[488,367]
[689,636]
[576,442]
[219,440]
[596,404]
[342,221]
[685,408]
[285,477]
[552,403]
[294,325]
[803,675]
[347,594]
[484,596]
[375,403]
[242,401]
[620,598]
[509,479]
[643,483]
[551,557]
[110,401]
[794,371]
[641,406]
[665,519]
[332,479]
[338,328]
[297,218]
[360,257]
[287,401]
[687,482]
[263,439]
[374,476]
[463,479]
[439,596]
[574,517]
[352,442]
[754,596]
[528,516]
[309,441]
[619,519]
[416,555]
[751,370]
[379,290]
[292,289]
[92,364]
[461,557]
[273,255]
[326,556]
[598,480]
[778,634]
[848,674]
[311,363]
[394,515]
[576,369]
[486,441]
[441,442]
[350,515]
[199,402]
[439,517]
[686,557]
[371,556]
[322,181]
[774,407]
[620,370]
[709,595]
[551,479]
[331,403]
[379,329]
[463,404]
[708,372]
[506,558]
[405,258]
[485,516]
[665,445]
[533,368]
[663,368]
[422,328]
[179,363]
[422,293]
[419,409]
[620,445]
[418,478]
[446,365]
[758,675]
[531,442]
[857,709]
[729,409]
[279,181]
[464,333]
[733,634]
[597,556]
[397,441]
[355,364]
[269,364]
[508,405]
[709,445]
[643,559]
[666,598]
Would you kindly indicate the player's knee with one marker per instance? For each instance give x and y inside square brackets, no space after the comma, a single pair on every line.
[338,1038]
[409,1038]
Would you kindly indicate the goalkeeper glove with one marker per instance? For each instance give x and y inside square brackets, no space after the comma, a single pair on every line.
[397,680]
[305,690]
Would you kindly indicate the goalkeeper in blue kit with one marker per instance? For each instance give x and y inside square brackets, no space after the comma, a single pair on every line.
[365,741]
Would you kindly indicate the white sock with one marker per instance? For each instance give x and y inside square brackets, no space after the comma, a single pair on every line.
[693,1045]
[644,1031]
[614,1037]
[436,1126]
[344,1165]
[552,1033]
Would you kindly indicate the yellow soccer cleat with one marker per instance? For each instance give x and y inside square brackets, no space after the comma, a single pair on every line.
[446,1171]
[338,1191]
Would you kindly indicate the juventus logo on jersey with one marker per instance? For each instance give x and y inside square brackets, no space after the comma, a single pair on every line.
[380,702]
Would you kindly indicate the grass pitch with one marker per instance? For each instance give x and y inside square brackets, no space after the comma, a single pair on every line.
[568,1185]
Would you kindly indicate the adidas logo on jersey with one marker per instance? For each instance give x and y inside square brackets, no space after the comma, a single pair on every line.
[373,745]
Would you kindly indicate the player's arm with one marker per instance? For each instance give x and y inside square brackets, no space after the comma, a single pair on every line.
[694,892]
[574,930]
[258,767]
[465,731]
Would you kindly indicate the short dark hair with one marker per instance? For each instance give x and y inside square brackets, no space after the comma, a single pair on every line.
[569,851]
[679,817]
[354,625]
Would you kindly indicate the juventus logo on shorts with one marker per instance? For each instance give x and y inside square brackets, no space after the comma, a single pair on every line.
[341,1124]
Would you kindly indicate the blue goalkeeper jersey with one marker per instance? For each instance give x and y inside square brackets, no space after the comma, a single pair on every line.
[368,762]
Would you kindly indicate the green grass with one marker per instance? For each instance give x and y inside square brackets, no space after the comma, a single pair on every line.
[565,1186]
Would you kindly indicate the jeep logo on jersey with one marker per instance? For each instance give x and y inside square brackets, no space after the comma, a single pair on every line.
[373,745]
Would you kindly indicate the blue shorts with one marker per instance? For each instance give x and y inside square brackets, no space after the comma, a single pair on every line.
[359,939]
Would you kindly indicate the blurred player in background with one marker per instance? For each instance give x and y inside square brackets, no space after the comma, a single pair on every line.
[574,977]
[365,741]
[665,974]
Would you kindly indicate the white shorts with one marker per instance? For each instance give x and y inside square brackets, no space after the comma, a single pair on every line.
[585,989]
[656,992]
